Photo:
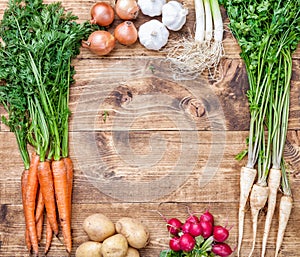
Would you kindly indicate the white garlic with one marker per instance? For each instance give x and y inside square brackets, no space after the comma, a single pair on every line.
[174,15]
[151,7]
[153,34]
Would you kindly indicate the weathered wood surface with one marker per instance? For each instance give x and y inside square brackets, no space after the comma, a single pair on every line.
[165,145]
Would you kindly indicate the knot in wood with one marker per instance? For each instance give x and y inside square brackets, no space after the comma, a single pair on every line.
[193,106]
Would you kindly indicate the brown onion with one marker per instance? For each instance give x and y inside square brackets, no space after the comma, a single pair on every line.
[102,14]
[127,9]
[100,42]
[126,33]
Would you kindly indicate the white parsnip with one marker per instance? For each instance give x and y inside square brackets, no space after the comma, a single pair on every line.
[258,199]
[247,178]
[273,183]
[286,204]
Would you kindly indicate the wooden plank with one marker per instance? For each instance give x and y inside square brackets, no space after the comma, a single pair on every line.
[104,172]
[12,223]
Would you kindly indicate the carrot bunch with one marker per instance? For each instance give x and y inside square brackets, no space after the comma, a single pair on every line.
[38,42]
[46,188]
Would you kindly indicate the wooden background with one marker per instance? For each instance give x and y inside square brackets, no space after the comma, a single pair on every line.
[155,151]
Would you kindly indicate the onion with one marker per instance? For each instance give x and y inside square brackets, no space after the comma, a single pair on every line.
[102,14]
[126,33]
[100,42]
[127,9]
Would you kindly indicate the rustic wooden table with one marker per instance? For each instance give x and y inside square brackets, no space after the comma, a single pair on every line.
[153,152]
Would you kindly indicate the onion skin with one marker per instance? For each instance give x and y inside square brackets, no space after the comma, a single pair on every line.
[102,14]
[100,42]
[126,33]
[127,9]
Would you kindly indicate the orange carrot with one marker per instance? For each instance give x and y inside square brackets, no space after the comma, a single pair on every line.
[30,196]
[24,179]
[39,207]
[63,200]
[69,167]
[47,189]
[49,235]
[39,228]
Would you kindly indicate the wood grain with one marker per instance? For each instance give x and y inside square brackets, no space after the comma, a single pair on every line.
[143,142]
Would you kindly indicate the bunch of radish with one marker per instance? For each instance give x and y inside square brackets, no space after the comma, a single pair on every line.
[197,236]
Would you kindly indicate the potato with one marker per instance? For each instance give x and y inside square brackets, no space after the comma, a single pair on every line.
[98,227]
[89,249]
[132,252]
[114,246]
[135,232]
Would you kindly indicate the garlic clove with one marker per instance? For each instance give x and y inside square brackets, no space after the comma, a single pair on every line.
[174,15]
[151,7]
[153,35]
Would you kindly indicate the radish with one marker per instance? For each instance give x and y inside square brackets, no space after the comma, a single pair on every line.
[207,228]
[195,229]
[174,244]
[207,216]
[174,226]
[186,227]
[193,219]
[220,233]
[222,249]
[187,243]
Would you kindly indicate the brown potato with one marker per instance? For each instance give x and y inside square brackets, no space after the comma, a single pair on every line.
[135,232]
[132,252]
[98,227]
[89,249]
[114,246]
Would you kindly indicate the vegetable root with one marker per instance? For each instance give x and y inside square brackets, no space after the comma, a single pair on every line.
[273,183]
[286,204]
[30,198]
[258,199]
[47,189]
[63,200]
[24,179]
[246,182]
[49,235]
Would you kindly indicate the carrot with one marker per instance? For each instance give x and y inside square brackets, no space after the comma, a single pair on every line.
[258,199]
[273,183]
[24,179]
[39,218]
[47,189]
[39,228]
[69,167]
[49,235]
[246,182]
[285,208]
[30,196]
[40,206]
[63,200]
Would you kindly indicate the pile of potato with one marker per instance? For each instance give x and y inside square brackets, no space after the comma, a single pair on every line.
[107,239]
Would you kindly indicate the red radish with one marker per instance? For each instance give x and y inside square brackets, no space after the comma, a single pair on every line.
[207,228]
[195,229]
[187,242]
[193,219]
[220,233]
[174,226]
[174,244]
[186,227]
[207,216]
[222,249]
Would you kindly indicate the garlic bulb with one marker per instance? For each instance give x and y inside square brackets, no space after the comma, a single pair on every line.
[153,35]
[174,15]
[151,7]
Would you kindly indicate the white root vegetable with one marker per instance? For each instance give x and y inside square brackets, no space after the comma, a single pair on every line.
[285,208]
[208,21]
[273,183]
[246,182]
[258,199]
